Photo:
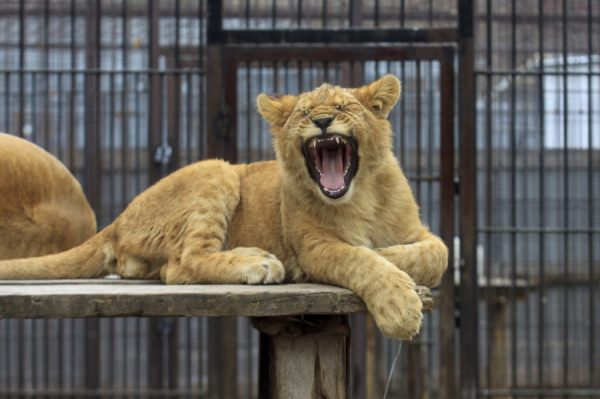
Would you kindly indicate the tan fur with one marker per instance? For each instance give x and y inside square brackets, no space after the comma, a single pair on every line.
[212,222]
[42,207]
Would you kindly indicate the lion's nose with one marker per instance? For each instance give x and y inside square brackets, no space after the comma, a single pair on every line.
[323,123]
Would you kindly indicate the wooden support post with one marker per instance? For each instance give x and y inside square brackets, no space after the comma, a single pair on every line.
[308,356]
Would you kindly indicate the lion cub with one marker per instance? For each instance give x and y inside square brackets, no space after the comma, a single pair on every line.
[334,208]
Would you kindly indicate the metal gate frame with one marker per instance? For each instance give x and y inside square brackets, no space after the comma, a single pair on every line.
[457,305]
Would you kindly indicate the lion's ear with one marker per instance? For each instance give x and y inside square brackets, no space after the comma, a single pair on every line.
[276,109]
[380,96]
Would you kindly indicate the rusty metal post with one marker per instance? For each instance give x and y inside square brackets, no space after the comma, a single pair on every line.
[468,206]
[447,303]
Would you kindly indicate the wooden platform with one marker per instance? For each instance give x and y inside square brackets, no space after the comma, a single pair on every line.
[305,334]
[121,298]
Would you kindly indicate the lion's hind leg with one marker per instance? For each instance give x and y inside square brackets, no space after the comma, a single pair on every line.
[201,259]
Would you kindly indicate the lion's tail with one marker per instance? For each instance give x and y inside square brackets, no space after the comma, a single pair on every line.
[89,260]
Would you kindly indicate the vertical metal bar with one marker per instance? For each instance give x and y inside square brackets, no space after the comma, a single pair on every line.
[163,118]
[376,14]
[247,14]
[513,198]
[20,344]
[260,123]
[229,104]
[124,110]
[7,102]
[430,171]
[21,68]
[154,98]
[264,378]
[419,122]
[72,161]
[248,114]
[447,228]
[188,118]
[402,13]
[250,393]
[92,108]
[59,128]
[286,84]
[299,14]
[403,146]
[468,206]
[172,355]
[46,91]
[34,113]
[274,14]
[324,14]
[92,354]
[300,76]
[566,197]
[541,298]
[201,106]
[214,79]
[590,170]
[111,153]
[138,133]
[488,192]
[110,350]
[93,174]
[174,133]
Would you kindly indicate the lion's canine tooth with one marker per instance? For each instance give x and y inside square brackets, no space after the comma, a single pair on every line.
[337,140]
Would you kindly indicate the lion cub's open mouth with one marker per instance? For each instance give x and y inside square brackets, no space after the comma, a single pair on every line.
[332,160]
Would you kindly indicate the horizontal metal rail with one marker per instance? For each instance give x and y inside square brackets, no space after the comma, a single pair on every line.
[104,392]
[182,71]
[540,392]
[545,72]
[536,230]
[356,35]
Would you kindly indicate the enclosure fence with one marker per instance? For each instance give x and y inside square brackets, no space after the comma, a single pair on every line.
[124,92]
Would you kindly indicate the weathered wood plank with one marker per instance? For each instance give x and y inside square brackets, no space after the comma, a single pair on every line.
[308,356]
[113,298]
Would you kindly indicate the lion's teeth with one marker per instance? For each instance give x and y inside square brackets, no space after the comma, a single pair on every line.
[337,140]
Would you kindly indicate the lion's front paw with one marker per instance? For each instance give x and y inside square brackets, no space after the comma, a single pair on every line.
[261,270]
[396,309]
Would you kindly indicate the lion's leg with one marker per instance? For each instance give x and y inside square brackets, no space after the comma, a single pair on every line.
[202,259]
[387,291]
[425,261]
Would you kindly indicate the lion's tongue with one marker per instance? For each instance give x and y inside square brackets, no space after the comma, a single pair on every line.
[332,166]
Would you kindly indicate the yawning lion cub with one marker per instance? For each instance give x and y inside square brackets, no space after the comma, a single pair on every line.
[334,208]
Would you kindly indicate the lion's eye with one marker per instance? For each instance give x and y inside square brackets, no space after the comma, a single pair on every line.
[307,111]
[340,107]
